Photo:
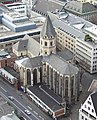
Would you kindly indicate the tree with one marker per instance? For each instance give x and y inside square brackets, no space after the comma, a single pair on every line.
[88,38]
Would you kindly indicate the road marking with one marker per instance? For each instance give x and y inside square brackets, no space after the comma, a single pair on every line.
[41,117]
[16,100]
[26,108]
[29,107]
[15,105]
[35,112]
[3,89]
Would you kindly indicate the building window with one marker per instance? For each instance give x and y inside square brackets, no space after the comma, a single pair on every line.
[1,46]
[89,102]
[45,52]
[88,108]
[41,42]
[21,54]
[92,110]
[85,106]
[82,117]
[45,43]
[51,43]
[51,52]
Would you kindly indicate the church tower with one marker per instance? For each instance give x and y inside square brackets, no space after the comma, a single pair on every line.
[47,38]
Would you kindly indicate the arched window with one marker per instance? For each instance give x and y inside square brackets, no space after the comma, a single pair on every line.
[28,77]
[41,42]
[35,76]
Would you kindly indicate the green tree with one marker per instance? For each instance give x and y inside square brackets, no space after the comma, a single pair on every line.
[88,38]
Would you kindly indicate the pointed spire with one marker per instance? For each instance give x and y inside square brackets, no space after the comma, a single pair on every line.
[48,29]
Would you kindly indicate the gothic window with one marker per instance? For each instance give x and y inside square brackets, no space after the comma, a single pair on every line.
[35,76]
[66,88]
[72,84]
[41,42]
[28,77]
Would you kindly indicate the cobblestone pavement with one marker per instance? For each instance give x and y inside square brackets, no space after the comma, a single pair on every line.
[86,81]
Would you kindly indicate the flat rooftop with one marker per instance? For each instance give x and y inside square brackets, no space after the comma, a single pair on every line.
[46,96]
[7,34]
[75,26]
[10,35]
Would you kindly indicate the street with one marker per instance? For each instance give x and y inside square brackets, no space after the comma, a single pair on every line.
[21,102]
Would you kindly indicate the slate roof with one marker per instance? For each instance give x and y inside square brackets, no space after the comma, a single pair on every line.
[51,93]
[66,54]
[48,29]
[94,100]
[60,65]
[34,2]
[46,5]
[32,62]
[33,46]
[21,45]
[80,7]
[29,44]
[45,98]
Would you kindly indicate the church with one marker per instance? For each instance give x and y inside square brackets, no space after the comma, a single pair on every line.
[43,69]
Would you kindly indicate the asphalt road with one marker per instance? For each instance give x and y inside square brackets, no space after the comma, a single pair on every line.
[21,102]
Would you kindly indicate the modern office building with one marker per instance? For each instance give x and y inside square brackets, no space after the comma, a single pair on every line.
[18,7]
[14,26]
[78,36]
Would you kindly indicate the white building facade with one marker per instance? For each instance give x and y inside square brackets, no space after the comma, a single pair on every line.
[18,7]
[71,34]
[88,110]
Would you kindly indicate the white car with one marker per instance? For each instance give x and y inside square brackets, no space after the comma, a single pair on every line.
[27,112]
[11,98]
